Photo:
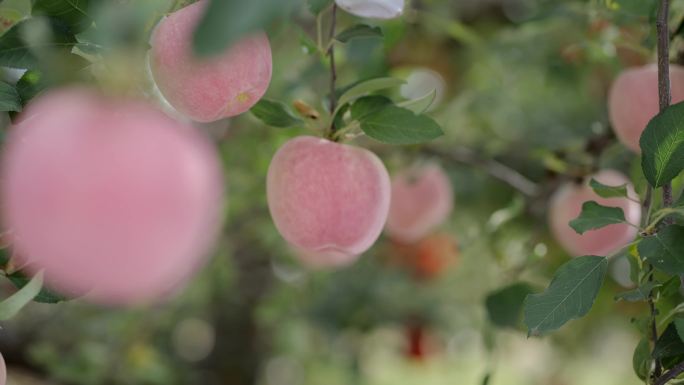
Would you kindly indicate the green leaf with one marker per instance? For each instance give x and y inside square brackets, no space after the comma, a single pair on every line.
[641,293]
[367,87]
[12,305]
[662,146]
[679,326]
[594,216]
[359,31]
[606,191]
[669,348]
[20,280]
[30,85]
[15,52]
[73,14]
[421,104]
[570,295]
[274,114]
[641,359]
[318,6]
[226,21]
[665,250]
[504,306]
[385,122]
[9,98]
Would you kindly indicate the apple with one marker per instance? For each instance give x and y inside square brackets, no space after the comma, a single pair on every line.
[422,199]
[328,200]
[566,205]
[374,9]
[208,89]
[633,101]
[428,258]
[110,197]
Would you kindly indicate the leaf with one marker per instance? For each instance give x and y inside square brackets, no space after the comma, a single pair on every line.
[15,52]
[226,21]
[606,191]
[679,326]
[367,87]
[359,31]
[73,14]
[669,348]
[594,216]
[504,306]
[639,294]
[30,85]
[9,98]
[385,122]
[421,104]
[662,146]
[19,280]
[570,295]
[12,305]
[641,359]
[274,114]
[318,6]
[665,250]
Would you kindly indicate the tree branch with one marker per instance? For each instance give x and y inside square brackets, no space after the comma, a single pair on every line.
[497,170]
[664,93]
[664,99]
[670,374]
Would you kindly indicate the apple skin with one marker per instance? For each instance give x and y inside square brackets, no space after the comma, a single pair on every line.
[633,101]
[328,200]
[422,199]
[208,89]
[110,197]
[566,204]
[373,9]
[3,371]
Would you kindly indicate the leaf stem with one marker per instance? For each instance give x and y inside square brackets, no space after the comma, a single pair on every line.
[333,69]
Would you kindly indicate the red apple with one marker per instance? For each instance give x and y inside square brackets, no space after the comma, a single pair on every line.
[108,196]
[422,199]
[328,200]
[208,89]
[633,101]
[566,205]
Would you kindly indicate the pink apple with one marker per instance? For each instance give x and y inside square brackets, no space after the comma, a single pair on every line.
[3,371]
[208,89]
[633,101]
[566,205]
[111,198]
[374,9]
[422,199]
[328,200]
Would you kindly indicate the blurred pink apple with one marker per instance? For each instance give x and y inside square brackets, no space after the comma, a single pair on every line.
[374,9]
[633,101]
[566,205]
[422,199]
[3,371]
[208,89]
[328,200]
[112,198]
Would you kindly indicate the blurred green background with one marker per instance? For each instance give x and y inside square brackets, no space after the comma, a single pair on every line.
[525,84]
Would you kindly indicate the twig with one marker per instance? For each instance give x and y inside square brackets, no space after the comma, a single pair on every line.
[497,170]
[664,93]
[664,99]
[333,68]
[670,374]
